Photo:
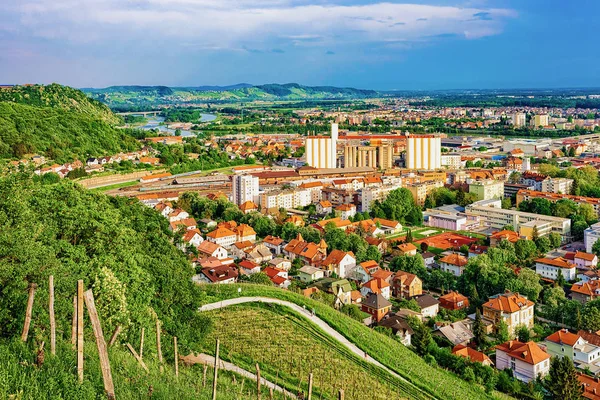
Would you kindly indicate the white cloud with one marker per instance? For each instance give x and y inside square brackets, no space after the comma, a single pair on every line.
[233,23]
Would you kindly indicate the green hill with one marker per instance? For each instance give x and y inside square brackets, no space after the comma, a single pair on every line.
[125,97]
[59,122]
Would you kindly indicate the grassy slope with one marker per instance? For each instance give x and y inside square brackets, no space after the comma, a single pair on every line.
[436,381]
[288,348]
[57,378]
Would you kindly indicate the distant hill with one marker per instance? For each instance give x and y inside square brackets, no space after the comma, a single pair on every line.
[123,97]
[59,122]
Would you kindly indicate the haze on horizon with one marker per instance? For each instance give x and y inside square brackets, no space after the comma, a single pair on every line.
[371,44]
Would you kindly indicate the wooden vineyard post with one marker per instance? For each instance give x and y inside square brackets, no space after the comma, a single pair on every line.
[214,392]
[80,330]
[204,376]
[74,323]
[51,312]
[142,344]
[270,393]
[158,346]
[257,381]
[341,394]
[28,312]
[310,385]
[100,344]
[113,338]
[176,356]
[137,357]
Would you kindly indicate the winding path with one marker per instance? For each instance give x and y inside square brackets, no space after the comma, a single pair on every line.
[312,318]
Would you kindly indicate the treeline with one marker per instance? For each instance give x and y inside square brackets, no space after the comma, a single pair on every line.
[495,101]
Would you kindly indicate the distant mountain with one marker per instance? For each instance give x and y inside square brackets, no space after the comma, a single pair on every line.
[137,97]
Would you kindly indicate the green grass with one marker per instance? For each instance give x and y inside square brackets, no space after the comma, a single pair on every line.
[289,348]
[57,378]
[115,186]
[432,380]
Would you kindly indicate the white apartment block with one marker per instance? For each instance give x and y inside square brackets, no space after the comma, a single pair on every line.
[370,194]
[244,188]
[493,216]
[286,199]
[487,190]
[451,161]
[590,235]
[519,119]
[557,185]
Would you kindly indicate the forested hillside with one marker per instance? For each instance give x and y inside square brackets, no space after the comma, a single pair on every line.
[59,122]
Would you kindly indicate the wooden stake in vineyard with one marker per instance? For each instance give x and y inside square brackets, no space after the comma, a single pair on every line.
[100,344]
[137,357]
[142,344]
[310,385]
[113,338]
[257,381]
[158,346]
[214,393]
[51,314]
[176,356]
[341,394]
[74,323]
[80,330]
[28,312]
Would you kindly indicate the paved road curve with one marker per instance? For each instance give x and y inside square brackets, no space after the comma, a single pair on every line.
[308,315]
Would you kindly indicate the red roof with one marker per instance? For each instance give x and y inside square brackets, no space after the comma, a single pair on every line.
[563,336]
[528,352]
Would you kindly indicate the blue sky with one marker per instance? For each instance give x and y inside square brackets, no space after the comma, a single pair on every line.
[422,44]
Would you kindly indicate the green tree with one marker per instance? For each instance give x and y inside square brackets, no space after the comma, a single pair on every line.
[562,382]
[543,244]
[260,278]
[409,237]
[578,228]
[508,228]
[526,283]
[421,337]
[111,301]
[535,234]
[479,331]
[502,331]
[522,332]
[555,240]
[373,253]
[506,203]
[525,249]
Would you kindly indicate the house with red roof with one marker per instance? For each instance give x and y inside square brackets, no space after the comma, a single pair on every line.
[512,308]
[279,277]
[550,268]
[220,274]
[340,262]
[585,291]
[222,236]
[377,286]
[406,285]
[248,267]
[454,301]
[472,354]
[210,249]
[526,360]
[585,260]
[407,249]
[453,263]
[497,237]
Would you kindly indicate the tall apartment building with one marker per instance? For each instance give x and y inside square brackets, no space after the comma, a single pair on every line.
[519,119]
[244,188]
[451,161]
[554,197]
[370,194]
[493,216]
[421,190]
[557,185]
[423,152]
[487,190]
[540,120]
[321,151]
[286,199]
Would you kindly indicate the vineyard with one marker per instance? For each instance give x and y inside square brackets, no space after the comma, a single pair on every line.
[433,381]
[288,348]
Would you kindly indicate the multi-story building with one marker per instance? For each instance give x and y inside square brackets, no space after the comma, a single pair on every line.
[421,190]
[512,308]
[369,156]
[557,185]
[550,268]
[519,119]
[526,195]
[585,291]
[453,263]
[563,343]
[321,151]
[423,152]
[540,120]
[590,236]
[526,360]
[244,188]
[486,190]
[286,199]
[223,237]
[371,194]
[493,216]
[451,161]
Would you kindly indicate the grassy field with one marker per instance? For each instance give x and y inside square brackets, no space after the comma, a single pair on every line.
[288,348]
[57,378]
[103,189]
[433,381]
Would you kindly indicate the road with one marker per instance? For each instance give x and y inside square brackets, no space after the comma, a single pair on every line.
[210,360]
[312,318]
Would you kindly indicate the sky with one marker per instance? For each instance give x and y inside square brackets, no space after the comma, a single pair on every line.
[370,44]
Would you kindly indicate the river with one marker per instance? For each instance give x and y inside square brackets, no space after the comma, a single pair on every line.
[155,123]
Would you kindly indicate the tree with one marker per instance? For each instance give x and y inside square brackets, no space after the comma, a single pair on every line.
[586,211]
[535,234]
[409,237]
[555,240]
[424,246]
[562,382]
[502,331]
[514,177]
[429,202]
[479,331]
[543,244]
[596,248]
[508,228]
[260,278]
[421,337]
[506,203]
[525,249]
[590,315]
[527,283]
[522,332]
[373,253]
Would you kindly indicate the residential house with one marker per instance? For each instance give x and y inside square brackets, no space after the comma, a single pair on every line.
[454,301]
[512,308]
[365,270]
[428,304]
[247,267]
[585,260]
[223,237]
[387,226]
[591,386]
[497,237]
[550,268]
[310,253]
[245,232]
[585,291]
[279,277]
[429,259]
[377,286]
[339,262]
[192,238]
[380,243]
[526,360]
[406,285]
[346,211]
[324,207]
[248,207]
[309,274]
[399,327]
[457,333]
[407,249]
[376,305]
[275,244]
[259,253]
[385,275]
[472,354]
[342,290]
[164,208]
[238,250]
[280,263]
[477,250]
[211,249]
[221,274]
[183,224]
[563,343]
[453,263]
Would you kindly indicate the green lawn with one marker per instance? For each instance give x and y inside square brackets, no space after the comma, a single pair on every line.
[115,186]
